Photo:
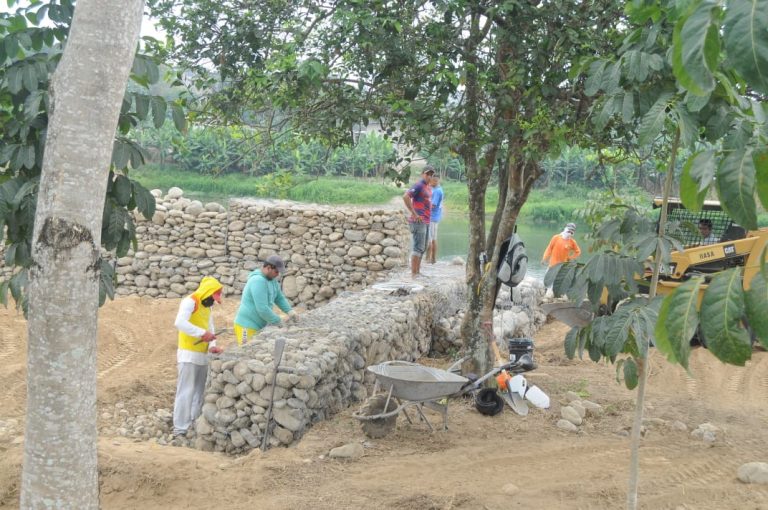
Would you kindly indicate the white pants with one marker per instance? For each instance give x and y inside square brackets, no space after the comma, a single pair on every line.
[190,387]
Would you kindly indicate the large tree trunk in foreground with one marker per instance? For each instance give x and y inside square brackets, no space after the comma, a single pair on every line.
[60,468]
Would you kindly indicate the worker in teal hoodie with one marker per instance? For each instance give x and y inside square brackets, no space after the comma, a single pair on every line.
[262,291]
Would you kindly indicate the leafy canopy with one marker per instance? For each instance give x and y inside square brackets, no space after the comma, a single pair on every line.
[32,38]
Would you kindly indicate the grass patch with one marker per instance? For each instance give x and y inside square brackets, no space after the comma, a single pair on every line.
[579,388]
[457,197]
[327,190]
[542,206]
[343,191]
[549,206]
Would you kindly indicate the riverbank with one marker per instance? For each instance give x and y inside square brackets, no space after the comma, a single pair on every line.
[545,206]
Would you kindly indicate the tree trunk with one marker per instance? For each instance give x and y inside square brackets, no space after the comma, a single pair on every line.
[642,362]
[474,335]
[60,461]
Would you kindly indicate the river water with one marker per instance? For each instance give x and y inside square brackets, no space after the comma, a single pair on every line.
[453,240]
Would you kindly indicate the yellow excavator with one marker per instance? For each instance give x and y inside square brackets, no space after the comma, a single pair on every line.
[727,245]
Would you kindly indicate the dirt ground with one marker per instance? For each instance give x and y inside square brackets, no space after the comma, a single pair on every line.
[506,461]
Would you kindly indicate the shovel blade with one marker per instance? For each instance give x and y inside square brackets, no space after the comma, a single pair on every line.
[276,357]
[278,354]
[516,402]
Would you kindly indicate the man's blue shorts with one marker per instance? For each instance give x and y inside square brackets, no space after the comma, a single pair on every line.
[420,235]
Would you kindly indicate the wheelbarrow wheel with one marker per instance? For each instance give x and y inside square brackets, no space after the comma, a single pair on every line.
[380,427]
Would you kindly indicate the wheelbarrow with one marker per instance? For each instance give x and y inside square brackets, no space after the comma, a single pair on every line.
[401,385]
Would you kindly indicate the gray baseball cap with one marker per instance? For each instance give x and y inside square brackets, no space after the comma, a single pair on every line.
[277,261]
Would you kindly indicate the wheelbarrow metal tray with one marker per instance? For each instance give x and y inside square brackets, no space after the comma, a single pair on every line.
[417,382]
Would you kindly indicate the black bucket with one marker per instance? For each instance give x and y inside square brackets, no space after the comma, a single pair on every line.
[518,347]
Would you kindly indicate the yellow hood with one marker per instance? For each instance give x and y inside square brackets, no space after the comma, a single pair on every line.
[208,287]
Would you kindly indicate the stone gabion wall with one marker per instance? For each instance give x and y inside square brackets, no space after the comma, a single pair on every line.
[517,314]
[325,357]
[327,250]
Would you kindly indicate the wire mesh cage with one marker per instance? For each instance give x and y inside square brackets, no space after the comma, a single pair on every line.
[723,227]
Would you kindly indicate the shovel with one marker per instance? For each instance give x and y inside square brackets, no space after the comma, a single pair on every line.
[277,357]
[516,388]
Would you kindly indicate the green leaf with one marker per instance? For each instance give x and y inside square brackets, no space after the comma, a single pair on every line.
[564,278]
[722,309]
[678,320]
[27,153]
[634,320]
[29,77]
[41,14]
[122,190]
[179,118]
[145,201]
[583,341]
[689,129]
[159,108]
[736,187]
[628,108]
[15,79]
[121,152]
[17,286]
[616,332]
[32,104]
[10,255]
[696,49]
[4,292]
[138,67]
[153,74]
[757,303]
[653,122]
[137,155]
[124,244]
[571,341]
[612,77]
[113,225]
[107,280]
[696,103]
[594,81]
[11,45]
[630,374]
[746,40]
[610,105]
[760,160]
[699,166]
[142,106]
[718,124]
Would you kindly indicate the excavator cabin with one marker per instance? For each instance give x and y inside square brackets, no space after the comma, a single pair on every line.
[725,246]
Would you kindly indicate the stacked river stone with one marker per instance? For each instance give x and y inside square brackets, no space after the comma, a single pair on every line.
[327,249]
[323,368]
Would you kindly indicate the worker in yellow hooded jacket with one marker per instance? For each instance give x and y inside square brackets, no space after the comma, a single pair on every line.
[196,339]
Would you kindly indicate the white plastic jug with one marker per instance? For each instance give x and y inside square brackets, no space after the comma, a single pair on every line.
[537,397]
[518,384]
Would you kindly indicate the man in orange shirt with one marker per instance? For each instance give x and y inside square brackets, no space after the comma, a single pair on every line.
[562,247]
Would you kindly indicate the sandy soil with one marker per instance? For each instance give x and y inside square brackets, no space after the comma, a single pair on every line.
[498,462]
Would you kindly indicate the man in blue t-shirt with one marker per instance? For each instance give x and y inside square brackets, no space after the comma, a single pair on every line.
[436,216]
